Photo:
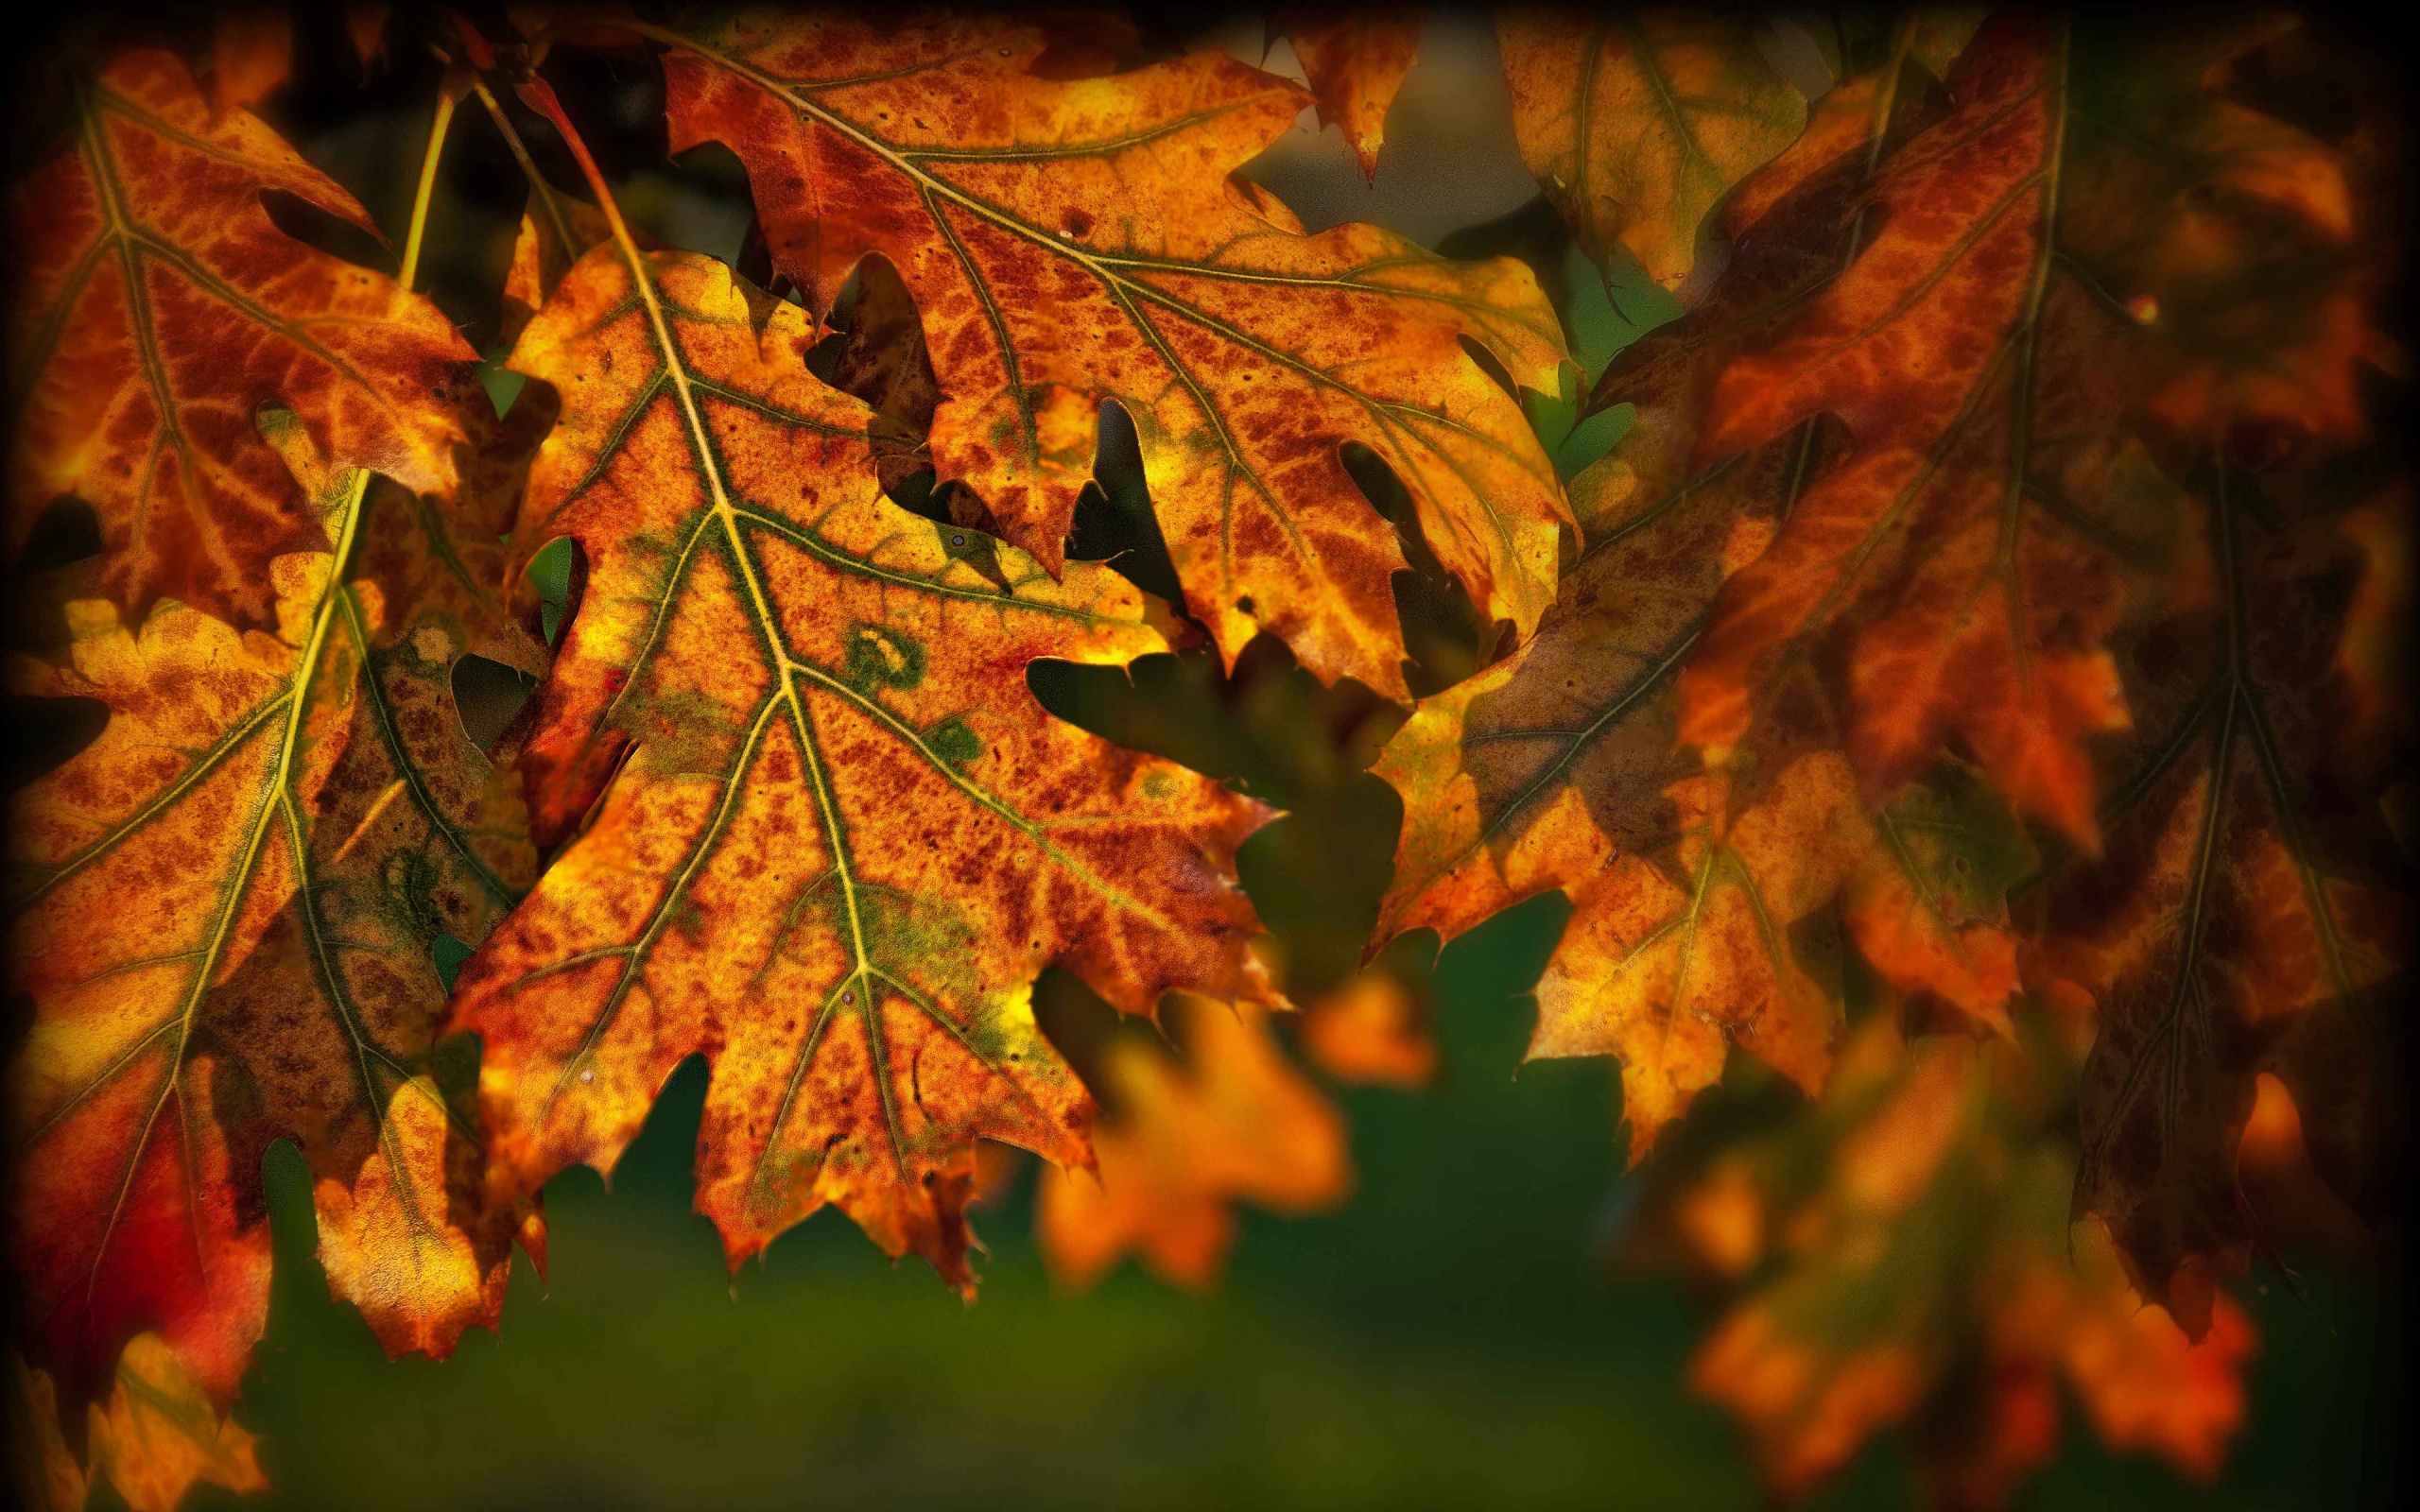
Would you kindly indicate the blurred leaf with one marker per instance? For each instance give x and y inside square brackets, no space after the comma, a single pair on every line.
[1233,1121]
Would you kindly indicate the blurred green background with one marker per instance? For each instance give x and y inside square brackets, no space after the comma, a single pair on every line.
[1451,1337]
[1455,1335]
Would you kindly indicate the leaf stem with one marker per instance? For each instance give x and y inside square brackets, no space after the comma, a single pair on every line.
[540,96]
[427,186]
[539,190]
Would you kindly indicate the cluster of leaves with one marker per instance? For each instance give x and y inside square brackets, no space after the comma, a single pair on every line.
[1970,609]
[1974,604]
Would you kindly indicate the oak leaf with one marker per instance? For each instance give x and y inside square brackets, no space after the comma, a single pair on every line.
[2374,657]
[2243,917]
[554,231]
[157,308]
[157,1436]
[1639,126]
[1355,63]
[1070,242]
[1372,1029]
[1581,720]
[1560,766]
[1900,1258]
[365,27]
[223,911]
[162,1435]
[45,1473]
[820,832]
[1956,572]
[1233,1121]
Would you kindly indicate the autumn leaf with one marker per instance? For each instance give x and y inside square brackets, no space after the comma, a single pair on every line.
[1900,1258]
[1639,126]
[554,231]
[251,56]
[162,1435]
[158,1435]
[157,309]
[1956,573]
[2255,252]
[818,831]
[1559,767]
[1519,779]
[2242,918]
[1075,241]
[1233,1121]
[2373,656]
[223,911]
[365,27]
[1355,60]
[42,1471]
[1662,532]
[1372,1029]
[1664,969]
[884,362]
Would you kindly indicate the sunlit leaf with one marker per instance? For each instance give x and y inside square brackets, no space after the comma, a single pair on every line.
[819,831]
[1074,241]
[156,309]
[223,912]
[162,1435]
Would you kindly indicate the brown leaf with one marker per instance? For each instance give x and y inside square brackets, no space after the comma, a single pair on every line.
[2240,920]
[1557,767]
[1956,573]
[1899,1258]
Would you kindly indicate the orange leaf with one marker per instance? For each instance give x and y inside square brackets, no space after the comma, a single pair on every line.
[273,831]
[1372,1030]
[42,1471]
[1638,127]
[1233,1121]
[819,831]
[157,309]
[1956,572]
[251,56]
[1666,970]
[2373,658]
[1354,61]
[1557,767]
[1922,1277]
[1071,242]
[162,1435]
